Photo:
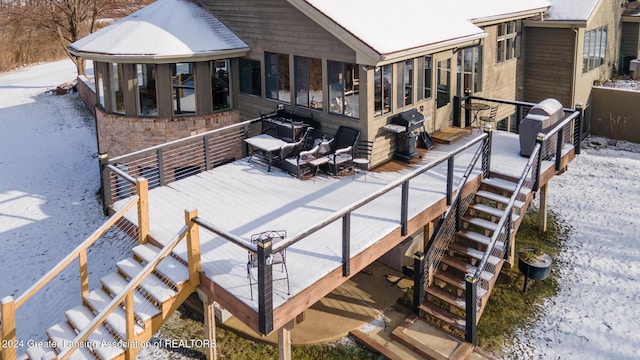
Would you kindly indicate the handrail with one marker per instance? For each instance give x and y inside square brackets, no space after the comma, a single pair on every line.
[182,140]
[75,253]
[357,204]
[559,126]
[225,234]
[117,300]
[121,173]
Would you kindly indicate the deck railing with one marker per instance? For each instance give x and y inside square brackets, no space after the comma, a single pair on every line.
[165,163]
[264,250]
[116,221]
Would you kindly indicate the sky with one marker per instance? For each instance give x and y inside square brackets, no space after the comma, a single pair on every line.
[49,177]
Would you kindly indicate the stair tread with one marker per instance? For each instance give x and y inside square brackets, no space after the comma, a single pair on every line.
[457,281]
[170,268]
[474,253]
[498,198]
[483,223]
[98,300]
[448,297]
[444,315]
[465,267]
[62,334]
[474,236]
[504,185]
[80,317]
[143,308]
[153,286]
[37,352]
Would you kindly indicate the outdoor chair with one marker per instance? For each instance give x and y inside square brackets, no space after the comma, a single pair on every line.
[491,118]
[295,156]
[341,149]
[276,258]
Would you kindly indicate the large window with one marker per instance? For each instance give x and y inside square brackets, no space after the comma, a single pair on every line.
[100,88]
[250,77]
[443,95]
[405,83]
[220,84]
[344,89]
[183,88]
[277,77]
[595,48]
[469,70]
[428,77]
[383,80]
[308,73]
[508,46]
[146,76]
[117,89]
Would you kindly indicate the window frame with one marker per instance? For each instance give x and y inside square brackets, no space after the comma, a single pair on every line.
[594,48]
[220,84]
[176,103]
[343,83]
[277,74]
[508,41]
[303,79]
[250,77]
[474,71]
[382,73]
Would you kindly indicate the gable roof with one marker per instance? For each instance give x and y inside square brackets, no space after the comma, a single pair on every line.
[164,31]
[380,31]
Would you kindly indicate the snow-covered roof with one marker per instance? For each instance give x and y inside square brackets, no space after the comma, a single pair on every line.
[406,26]
[568,10]
[164,31]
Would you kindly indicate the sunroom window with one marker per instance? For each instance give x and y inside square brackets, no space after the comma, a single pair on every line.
[250,82]
[220,84]
[183,89]
[405,83]
[308,73]
[146,77]
[277,77]
[117,89]
[344,89]
[383,80]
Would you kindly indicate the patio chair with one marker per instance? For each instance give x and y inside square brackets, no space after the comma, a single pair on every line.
[341,149]
[279,257]
[295,156]
[490,119]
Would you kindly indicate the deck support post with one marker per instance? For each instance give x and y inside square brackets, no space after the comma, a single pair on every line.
[265,286]
[8,328]
[142,189]
[471,290]
[346,244]
[542,212]
[209,326]
[418,280]
[284,341]
[105,185]
[193,247]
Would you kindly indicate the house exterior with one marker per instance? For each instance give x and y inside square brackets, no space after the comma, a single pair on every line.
[572,48]
[312,57]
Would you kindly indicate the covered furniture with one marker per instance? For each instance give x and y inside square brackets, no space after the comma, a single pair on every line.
[340,149]
[296,156]
[276,258]
[267,144]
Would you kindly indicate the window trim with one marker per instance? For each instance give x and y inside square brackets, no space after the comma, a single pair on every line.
[506,37]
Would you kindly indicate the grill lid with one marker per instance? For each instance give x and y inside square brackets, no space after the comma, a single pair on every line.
[410,118]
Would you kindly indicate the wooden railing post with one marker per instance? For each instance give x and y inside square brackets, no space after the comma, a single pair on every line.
[471,289]
[418,281]
[142,188]
[105,188]
[8,328]
[265,286]
[193,247]
[130,351]
[84,274]
[346,244]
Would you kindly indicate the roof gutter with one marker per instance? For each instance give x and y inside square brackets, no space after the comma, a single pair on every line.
[159,59]
[489,20]
[464,42]
[564,24]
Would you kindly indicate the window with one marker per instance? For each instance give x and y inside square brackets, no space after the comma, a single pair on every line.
[117,89]
[308,73]
[444,83]
[469,70]
[100,88]
[382,93]
[183,88]
[277,77]
[250,77]
[220,84]
[595,47]
[344,89]
[146,76]
[405,83]
[428,77]
[508,47]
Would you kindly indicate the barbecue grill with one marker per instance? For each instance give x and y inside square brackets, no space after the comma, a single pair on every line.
[407,127]
[541,119]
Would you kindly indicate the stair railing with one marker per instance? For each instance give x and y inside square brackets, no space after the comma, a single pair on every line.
[190,231]
[503,236]
[451,222]
[9,306]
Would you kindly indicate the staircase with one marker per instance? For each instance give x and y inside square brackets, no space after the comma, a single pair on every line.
[445,303]
[157,296]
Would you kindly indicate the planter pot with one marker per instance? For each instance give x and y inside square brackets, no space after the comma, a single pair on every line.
[537,267]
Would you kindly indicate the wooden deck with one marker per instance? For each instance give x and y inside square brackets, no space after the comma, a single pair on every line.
[243,198]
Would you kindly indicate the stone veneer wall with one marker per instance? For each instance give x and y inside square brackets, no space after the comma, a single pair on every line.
[119,135]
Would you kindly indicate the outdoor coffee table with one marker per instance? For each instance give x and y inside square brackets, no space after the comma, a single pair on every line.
[267,144]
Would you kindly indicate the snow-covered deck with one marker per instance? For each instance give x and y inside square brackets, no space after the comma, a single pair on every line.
[244,199]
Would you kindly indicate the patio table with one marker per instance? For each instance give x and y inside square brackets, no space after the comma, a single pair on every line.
[267,144]
[475,108]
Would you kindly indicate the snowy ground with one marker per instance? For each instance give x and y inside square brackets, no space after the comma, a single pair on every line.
[49,176]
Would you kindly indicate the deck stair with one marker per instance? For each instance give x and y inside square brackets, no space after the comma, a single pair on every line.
[159,294]
[445,303]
